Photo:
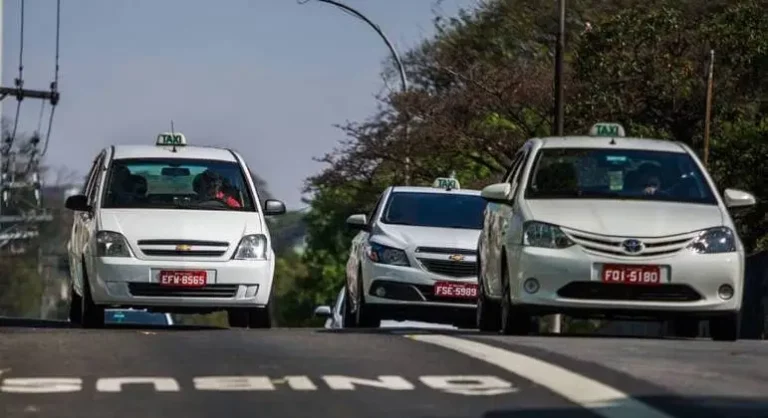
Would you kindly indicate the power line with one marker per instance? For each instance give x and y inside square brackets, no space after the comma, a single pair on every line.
[55,83]
[19,82]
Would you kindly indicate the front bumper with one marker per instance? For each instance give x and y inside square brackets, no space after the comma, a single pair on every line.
[570,282]
[410,287]
[131,282]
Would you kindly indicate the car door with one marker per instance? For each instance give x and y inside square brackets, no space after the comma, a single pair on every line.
[514,215]
[78,240]
[89,220]
[493,232]
[357,249]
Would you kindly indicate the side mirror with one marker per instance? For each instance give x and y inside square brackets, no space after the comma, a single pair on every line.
[497,193]
[358,221]
[274,207]
[323,311]
[735,198]
[78,202]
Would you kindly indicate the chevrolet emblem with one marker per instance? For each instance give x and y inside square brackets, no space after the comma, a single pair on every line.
[183,247]
[455,257]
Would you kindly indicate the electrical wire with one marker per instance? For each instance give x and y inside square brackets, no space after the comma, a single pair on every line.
[20,80]
[55,83]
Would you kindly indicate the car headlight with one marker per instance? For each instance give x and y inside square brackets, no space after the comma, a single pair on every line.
[252,247]
[111,244]
[387,255]
[714,241]
[544,235]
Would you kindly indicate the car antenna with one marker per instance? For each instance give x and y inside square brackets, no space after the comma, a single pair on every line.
[173,134]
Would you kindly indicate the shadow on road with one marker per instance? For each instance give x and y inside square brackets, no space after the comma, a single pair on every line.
[471,333]
[44,323]
[702,407]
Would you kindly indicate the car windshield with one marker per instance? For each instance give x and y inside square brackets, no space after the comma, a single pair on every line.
[440,210]
[136,317]
[582,173]
[177,184]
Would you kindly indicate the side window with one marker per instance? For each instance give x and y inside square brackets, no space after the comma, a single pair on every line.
[89,177]
[508,177]
[375,209]
[93,185]
[517,174]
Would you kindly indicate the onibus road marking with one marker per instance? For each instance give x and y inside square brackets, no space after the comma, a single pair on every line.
[590,394]
[469,385]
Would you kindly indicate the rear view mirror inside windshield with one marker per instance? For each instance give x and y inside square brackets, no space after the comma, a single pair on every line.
[175,171]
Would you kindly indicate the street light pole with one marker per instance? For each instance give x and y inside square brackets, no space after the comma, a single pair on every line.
[559,53]
[395,57]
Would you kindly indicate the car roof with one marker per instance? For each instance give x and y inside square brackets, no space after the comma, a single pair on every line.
[425,189]
[183,152]
[645,144]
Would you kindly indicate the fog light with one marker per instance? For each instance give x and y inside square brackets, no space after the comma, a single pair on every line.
[380,292]
[725,292]
[531,285]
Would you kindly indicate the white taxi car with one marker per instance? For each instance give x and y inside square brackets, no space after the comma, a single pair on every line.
[171,228]
[414,258]
[610,226]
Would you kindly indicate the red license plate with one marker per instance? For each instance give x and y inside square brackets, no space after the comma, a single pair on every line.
[183,278]
[455,290]
[630,274]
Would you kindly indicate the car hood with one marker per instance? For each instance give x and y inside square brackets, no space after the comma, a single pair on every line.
[626,218]
[178,224]
[410,237]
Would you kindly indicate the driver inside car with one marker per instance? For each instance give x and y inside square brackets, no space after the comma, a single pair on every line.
[210,186]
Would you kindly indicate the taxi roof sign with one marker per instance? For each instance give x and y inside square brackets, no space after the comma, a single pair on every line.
[174,139]
[607,129]
[446,183]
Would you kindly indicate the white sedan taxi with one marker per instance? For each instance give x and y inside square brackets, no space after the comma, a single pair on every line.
[414,257]
[171,228]
[610,227]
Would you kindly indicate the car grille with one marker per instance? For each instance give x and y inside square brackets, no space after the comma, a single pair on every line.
[619,291]
[209,291]
[611,245]
[437,260]
[183,248]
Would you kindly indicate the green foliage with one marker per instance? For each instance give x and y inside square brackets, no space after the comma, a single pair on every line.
[21,289]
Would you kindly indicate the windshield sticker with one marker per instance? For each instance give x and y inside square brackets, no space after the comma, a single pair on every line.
[616,180]
[616,158]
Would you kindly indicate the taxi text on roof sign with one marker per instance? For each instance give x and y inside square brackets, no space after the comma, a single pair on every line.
[171,139]
[446,183]
[612,130]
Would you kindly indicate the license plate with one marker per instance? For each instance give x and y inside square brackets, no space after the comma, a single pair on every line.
[631,274]
[183,278]
[455,290]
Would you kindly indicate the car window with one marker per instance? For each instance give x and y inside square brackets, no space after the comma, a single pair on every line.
[442,210]
[583,173]
[177,184]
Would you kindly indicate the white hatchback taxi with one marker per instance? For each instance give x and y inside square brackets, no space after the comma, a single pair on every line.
[414,257]
[171,228]
[614,227]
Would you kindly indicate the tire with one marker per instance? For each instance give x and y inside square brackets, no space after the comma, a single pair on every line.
[488,316]
[75,306]
[92,315]
[349,317]
[725,328]
[260,317]
[237,318]
[514,320]
[364,317]
[685,327]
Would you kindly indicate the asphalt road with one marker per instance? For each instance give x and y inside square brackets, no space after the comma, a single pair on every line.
[51,370]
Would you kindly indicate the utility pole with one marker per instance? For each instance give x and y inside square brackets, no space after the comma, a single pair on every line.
[559,109]
[395,57]
[21,207]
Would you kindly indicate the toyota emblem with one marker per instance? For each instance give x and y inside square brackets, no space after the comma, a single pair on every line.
[632,246]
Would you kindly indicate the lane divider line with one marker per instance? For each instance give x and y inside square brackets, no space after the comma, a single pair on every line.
[590,394]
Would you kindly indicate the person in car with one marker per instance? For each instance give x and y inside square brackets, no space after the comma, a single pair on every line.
[210,185]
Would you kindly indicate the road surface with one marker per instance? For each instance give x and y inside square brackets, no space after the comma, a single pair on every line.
[51,370]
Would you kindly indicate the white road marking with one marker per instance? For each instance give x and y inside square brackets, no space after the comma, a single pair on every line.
[243,383]
[469,385]
[384,382]
[41,385]
[115,384]
[599,398]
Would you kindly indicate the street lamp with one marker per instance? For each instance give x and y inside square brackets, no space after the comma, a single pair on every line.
[395,56]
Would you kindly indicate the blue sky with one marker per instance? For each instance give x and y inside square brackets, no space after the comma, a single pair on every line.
[266,77]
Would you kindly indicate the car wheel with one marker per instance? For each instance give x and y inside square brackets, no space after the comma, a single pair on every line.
[364,317]
[514,320]
[685,327]
[725,328]
[92,315]
[75,306]
[260,317]
[237,318]
[350,319]
[488,315]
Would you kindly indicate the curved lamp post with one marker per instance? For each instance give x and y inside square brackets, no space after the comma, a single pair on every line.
[392,50]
